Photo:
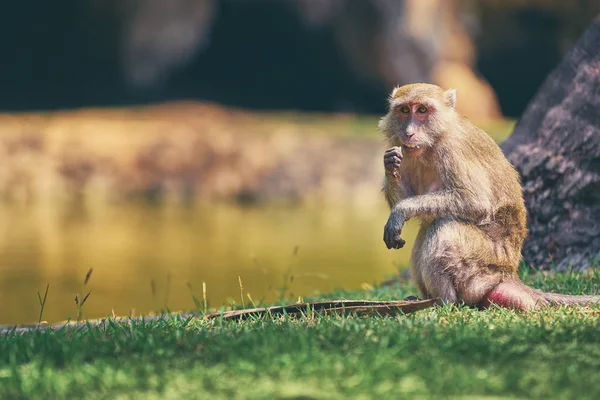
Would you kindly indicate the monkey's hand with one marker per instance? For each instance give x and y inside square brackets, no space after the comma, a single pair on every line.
[393,229]
[391,162]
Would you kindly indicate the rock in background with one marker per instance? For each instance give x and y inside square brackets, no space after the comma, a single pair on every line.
[556,148]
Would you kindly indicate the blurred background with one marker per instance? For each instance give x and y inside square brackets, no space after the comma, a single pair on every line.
[164,145]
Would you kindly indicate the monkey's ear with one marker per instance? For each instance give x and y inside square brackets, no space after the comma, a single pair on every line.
[450,97]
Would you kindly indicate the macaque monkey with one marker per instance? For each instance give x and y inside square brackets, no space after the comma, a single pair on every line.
[448,173]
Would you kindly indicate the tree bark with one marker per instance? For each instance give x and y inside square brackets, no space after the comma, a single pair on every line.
[556,148]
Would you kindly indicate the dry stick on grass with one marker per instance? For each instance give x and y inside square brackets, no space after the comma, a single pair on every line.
[343,307]
[357,307]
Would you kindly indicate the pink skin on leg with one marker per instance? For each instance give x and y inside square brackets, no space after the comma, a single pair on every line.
[508,295]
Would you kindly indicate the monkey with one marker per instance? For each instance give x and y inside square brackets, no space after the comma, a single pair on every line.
[453,177]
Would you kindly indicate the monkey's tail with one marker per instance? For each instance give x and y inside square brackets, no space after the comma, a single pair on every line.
[515,294]
[567,299]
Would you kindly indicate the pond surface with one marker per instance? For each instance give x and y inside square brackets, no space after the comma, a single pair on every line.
[145,258]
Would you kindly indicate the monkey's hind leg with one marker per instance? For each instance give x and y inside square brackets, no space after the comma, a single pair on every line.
[416,265]
[431,258]
[460,263]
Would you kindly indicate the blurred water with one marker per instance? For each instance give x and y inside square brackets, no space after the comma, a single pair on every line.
[146,257]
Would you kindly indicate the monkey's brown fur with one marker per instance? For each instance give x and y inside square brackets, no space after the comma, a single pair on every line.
[454,178]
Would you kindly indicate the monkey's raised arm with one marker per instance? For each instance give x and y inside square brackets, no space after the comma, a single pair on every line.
[458,204]
[393,187]
[395,191]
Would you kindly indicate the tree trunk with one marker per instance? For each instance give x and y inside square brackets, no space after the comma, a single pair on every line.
[556,148]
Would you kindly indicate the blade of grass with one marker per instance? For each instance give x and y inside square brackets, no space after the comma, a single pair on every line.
[43,303]
[241,291]
[87,276]
[204,297]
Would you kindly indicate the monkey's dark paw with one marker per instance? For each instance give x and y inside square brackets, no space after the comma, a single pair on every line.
[392,231]
[391,161]
[412,298]
[395,242]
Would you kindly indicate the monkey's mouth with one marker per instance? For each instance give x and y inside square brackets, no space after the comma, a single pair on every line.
[411,147]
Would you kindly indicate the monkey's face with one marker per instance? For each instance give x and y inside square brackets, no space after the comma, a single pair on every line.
[415,120]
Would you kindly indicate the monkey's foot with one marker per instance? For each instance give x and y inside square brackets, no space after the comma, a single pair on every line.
[412,298]
[391,162]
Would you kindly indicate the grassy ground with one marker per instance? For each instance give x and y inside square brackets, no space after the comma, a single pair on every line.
[435,353]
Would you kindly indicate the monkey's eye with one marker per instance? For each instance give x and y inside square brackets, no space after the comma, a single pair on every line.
[404,109]
[422,109]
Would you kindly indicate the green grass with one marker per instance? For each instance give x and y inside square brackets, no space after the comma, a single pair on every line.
[435,353]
